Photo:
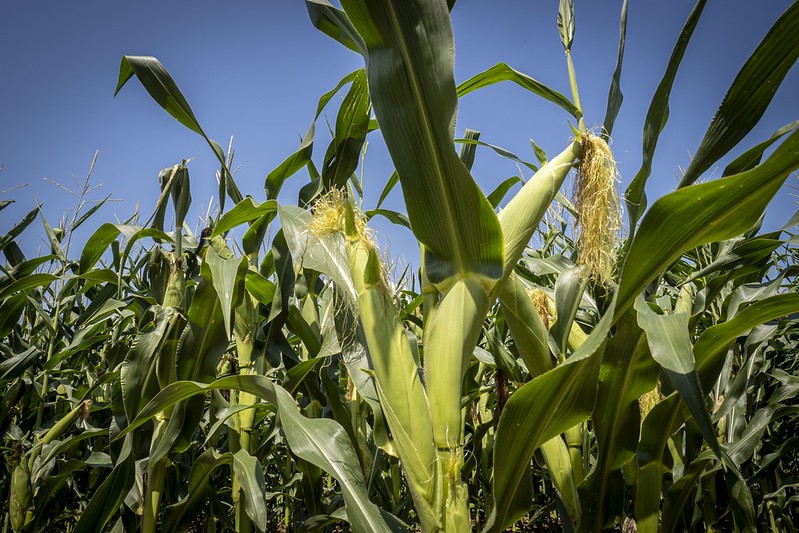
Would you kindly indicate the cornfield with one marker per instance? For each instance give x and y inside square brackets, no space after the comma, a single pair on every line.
[574,364]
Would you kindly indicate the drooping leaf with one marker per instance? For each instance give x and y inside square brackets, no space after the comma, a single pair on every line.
[334,22]
[251,477]
[502,72]
[163,89]
[324,443]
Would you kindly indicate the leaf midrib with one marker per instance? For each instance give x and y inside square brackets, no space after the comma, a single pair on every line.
[428,133]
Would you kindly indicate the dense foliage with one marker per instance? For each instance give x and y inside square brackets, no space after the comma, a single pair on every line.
[271,373]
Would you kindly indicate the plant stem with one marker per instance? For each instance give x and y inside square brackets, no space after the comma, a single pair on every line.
[155,482]
[575,93]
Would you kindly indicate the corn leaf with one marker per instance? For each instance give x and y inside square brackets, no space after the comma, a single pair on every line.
[615,96]
[707,212]
[525,324]
[302,156]
[751,157]
[503,72]
[409,65]
[656,118]
[324,443]
[334,23]
[750,94]
[181,513]
[251,476]
[541,409]
[711,347]
[352,124]
[163,89]
[245,211]
[627,371]
[110,494]
[228,281]
[670,344]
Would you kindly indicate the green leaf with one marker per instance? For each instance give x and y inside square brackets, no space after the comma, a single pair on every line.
[228,281]
[27,283]
[204,340]
[163,89]
[410,74]
[743,252]
[181,390]
[55,242]
[569,288]
[101,239]
[302,156]
[352,124]
[245,211]
[615,95]
[526,327]
[750,94]
[324,443]
[110,494]
[251,477]
[751,158]
[707,212]
[259,287]
[182,512]
[670,344]
[85,216]
[392,216]
[334,23]
[656,118]
[498,150]
[15,366]
[498,194]
[469,148]
[711,347]
[502,72]
[392,181]
[541,409]
[627,371]
[152,349]
[19,227]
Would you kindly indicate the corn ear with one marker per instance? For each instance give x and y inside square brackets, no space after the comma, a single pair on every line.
[402,393]
[21,496]
[526,209]
[449,342]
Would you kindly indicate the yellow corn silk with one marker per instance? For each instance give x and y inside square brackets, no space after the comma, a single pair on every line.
[597,207]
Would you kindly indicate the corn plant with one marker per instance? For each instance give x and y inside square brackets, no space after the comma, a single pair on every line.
[534,370]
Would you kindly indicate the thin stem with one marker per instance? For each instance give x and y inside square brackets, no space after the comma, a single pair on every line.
[152,497]
[575,93]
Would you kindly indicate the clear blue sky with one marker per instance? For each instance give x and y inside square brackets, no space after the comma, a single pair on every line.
[255,70]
